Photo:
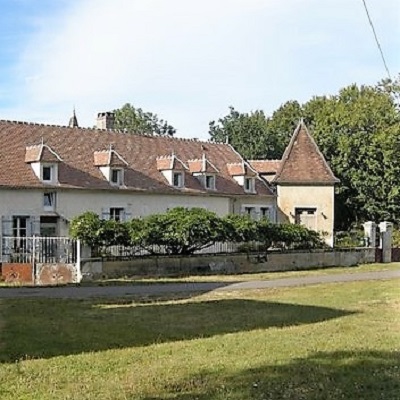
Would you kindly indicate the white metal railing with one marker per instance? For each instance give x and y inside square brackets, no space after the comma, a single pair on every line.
[38,249]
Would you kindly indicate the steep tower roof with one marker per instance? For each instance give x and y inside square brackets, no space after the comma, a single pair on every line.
[303,162]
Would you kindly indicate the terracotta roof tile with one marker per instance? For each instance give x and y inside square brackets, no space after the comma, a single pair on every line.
[77,146]
[108,158]
[303,162]
[265,166]
[202,165]
[41,152]
[241,168]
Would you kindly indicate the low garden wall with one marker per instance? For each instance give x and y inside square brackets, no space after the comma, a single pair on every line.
[225,264]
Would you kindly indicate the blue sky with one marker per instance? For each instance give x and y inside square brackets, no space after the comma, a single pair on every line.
[185,60]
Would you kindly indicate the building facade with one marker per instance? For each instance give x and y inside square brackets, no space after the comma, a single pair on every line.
[50,174]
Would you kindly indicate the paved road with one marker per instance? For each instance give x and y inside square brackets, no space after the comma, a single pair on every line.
[79,292]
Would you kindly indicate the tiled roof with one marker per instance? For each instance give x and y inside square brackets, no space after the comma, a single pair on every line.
[265,166]
[76,148]
[303,162]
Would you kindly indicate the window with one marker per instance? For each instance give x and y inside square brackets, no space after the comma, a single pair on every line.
[117,213]
[49,201]
[116,177]
[251,211]
[177,179]
[47,173]
[265,212]
[306,216]
[20,225]
[210,182]
[249,185]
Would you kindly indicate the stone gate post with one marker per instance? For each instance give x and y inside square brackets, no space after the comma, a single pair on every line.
[370,233]
[386,229]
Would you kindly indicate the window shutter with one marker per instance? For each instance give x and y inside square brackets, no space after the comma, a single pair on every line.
[33,226]
[128,214]
[105,214]
[6,225]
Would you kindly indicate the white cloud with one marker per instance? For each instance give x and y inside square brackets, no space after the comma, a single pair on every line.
[189,60]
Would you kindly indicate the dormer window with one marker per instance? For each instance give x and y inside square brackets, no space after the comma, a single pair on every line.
[178,179]
[244,175]
[204,171]
[111,165]
[173,170]
[44,162]
[249,185]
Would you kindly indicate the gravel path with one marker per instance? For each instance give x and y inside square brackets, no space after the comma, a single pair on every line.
[79,292]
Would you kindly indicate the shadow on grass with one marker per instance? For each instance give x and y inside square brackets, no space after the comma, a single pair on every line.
[46,328]
[341,375]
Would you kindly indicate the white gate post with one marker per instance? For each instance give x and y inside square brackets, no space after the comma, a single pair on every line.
[78,261]
[370,233]
[386,229]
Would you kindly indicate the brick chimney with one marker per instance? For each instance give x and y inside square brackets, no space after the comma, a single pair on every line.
[105,120]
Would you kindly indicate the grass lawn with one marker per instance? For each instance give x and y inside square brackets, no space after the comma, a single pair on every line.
[336,341]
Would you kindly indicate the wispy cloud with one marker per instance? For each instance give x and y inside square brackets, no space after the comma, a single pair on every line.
[189,60]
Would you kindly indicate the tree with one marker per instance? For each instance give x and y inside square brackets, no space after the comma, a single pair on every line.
[138,121]
[358,131]
[254,135]
[178,231]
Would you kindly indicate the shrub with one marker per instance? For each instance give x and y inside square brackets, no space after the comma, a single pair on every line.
[178,231]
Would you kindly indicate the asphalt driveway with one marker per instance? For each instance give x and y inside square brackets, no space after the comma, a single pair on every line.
[81,292]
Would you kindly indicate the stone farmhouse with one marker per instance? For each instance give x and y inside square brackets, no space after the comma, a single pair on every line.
[50,174]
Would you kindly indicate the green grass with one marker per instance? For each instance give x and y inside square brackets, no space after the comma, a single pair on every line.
[336,341]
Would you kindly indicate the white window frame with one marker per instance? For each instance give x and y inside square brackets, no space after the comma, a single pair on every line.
[117,213]
[120,176]
[249,184]
[52,169]
[180,179]
[206,182]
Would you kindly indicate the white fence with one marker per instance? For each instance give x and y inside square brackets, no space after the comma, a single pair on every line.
[43,250]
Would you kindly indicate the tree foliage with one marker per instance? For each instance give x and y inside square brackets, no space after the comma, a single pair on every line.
[357,130]
[138,121]
[182,231]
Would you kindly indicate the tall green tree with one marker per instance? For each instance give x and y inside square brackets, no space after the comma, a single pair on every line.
[138,121]
[253,134]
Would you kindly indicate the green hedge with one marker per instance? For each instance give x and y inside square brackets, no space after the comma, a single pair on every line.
[184,231]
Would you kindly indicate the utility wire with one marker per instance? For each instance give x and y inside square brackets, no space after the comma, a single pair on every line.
[376,39]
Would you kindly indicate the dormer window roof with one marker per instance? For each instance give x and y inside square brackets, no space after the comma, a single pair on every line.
[202,165]
[41,153]
[240,169]
[111,165]
[170,163]
[44,162]
[109,158]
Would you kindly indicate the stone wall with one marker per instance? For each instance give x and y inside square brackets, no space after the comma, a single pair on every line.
[21,274]
[225,264]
